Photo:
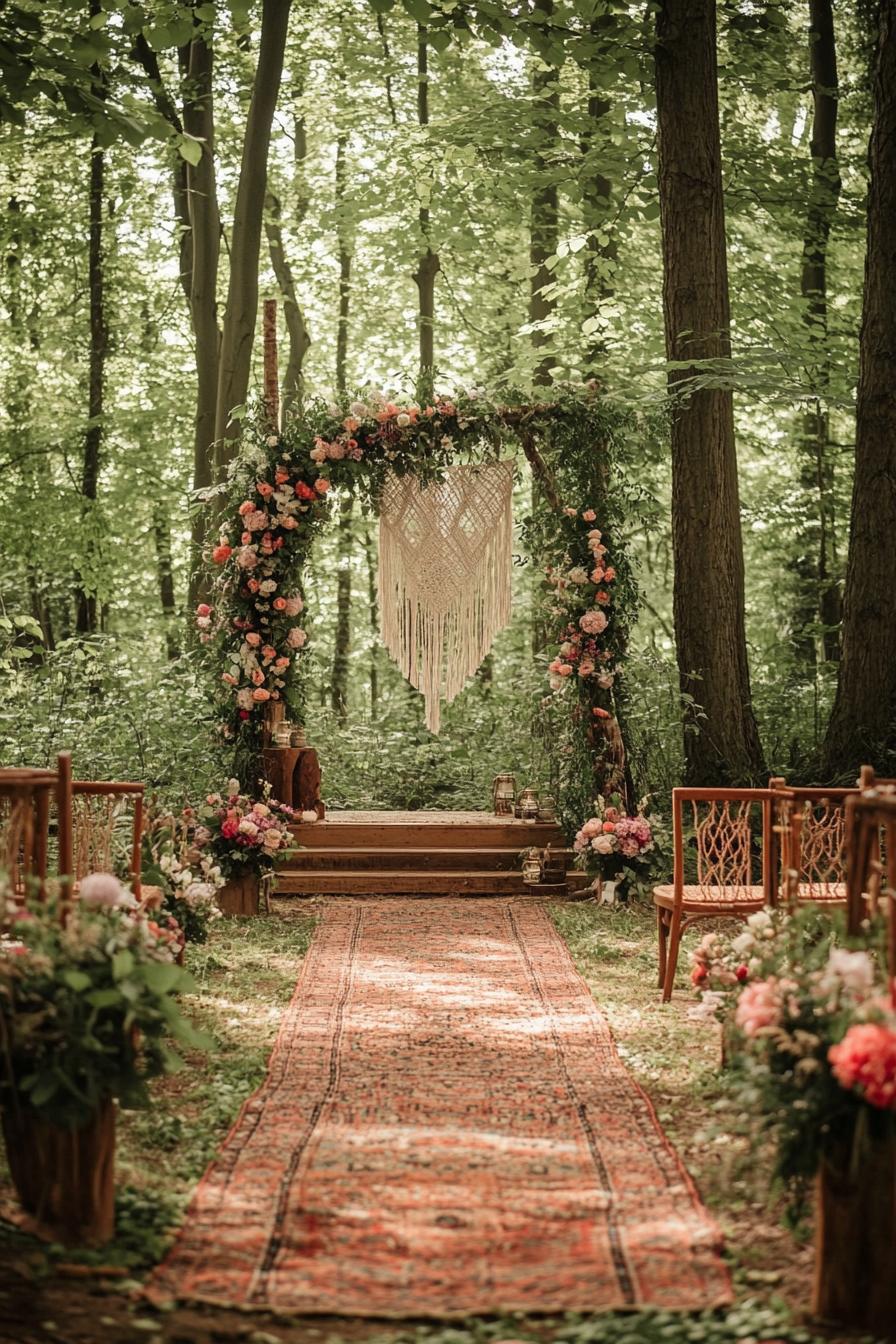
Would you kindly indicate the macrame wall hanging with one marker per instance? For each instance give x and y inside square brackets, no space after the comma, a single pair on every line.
[446,557]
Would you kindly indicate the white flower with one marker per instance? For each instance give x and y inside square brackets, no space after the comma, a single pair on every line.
[760,922]
[358,410]
[578,575]
[742,944]
[852,972]
[272,440]
[233,788]
[247,827]
[403,420]
[604,844]
[447,442]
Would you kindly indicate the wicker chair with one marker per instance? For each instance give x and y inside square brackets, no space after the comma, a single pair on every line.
[727,855]
[809,850]
[108,829]
[26,801]
[870,830]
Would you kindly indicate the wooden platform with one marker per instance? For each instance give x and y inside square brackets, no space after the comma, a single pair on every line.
[417,853]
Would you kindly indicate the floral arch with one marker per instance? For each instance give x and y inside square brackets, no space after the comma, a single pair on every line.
[278,498]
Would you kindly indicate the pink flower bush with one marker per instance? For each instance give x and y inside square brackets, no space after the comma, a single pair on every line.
[759,1007]
[865,1062]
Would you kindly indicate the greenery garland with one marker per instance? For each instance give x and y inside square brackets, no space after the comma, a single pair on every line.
[278,498]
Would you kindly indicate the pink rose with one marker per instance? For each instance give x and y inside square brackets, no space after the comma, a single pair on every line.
[264,489]
[261,695]
[279,604]
[294,605]
[321,485]
[759,1007]
[589,515]
[296,637]
[288,521]
[257,520]
[593,622]
[247,558]
[257,676]
[228,679]
[203,609]
[245,508]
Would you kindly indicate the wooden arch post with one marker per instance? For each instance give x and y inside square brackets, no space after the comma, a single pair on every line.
[275,710]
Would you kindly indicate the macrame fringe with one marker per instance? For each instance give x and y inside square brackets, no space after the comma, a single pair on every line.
[445,563]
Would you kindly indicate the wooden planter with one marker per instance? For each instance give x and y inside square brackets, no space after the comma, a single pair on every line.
[240,896]
[855,1242]
[65,1178]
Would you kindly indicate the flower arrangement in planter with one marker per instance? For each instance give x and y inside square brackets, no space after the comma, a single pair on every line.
[811,1013]
[88,1011]
[242,834]
[188,878]
[611,841]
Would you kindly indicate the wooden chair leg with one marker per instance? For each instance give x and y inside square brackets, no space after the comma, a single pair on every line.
[662,937]
[672,955]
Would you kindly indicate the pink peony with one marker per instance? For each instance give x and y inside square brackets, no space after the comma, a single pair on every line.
[865,1062]
[253,638]
[293,606]
[759,1007]
[257,520]
[593,622]
[296,637]
[247,558]
[104,890]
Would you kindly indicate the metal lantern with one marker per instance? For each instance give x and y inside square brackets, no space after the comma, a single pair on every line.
[547,809]
[553,866]
[282,732]
[503,794]
[532,866]
[528,805]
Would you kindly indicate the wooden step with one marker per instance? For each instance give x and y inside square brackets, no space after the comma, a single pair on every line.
[405,882]
[356,858]
[513,835]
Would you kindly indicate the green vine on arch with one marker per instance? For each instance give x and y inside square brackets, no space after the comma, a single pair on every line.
[278,498]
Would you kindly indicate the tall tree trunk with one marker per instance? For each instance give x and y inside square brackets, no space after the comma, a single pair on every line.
[706,529]
[342,641]
[85,591]
[544,216]
[205,246]
[165,574]
[819,595]
[597,189]
[863,722]
[240,315]
[293,390]
[428,264]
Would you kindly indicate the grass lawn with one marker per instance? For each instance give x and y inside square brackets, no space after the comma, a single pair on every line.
[244,975]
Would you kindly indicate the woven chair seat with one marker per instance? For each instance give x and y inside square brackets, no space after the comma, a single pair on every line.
[712,900]
[822,893]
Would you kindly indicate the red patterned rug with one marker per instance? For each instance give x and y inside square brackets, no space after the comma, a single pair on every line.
[446,1129]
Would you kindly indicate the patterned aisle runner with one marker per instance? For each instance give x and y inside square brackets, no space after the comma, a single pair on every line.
[446,1128]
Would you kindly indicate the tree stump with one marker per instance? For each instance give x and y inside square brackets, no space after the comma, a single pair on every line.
[65,1178]
[855,1241]
[294,776]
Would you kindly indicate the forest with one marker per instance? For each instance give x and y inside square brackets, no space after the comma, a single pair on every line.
[686,208]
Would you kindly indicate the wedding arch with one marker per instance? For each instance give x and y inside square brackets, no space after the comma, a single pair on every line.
[278,498]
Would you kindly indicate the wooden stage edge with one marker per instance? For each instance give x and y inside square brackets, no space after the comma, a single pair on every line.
[420,854]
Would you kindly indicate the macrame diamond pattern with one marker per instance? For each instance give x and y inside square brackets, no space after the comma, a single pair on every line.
[446,556]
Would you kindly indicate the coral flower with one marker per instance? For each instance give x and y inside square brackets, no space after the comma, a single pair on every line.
[279,604]
[222,553]
[321,485]
[865,1061]
[261,695]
